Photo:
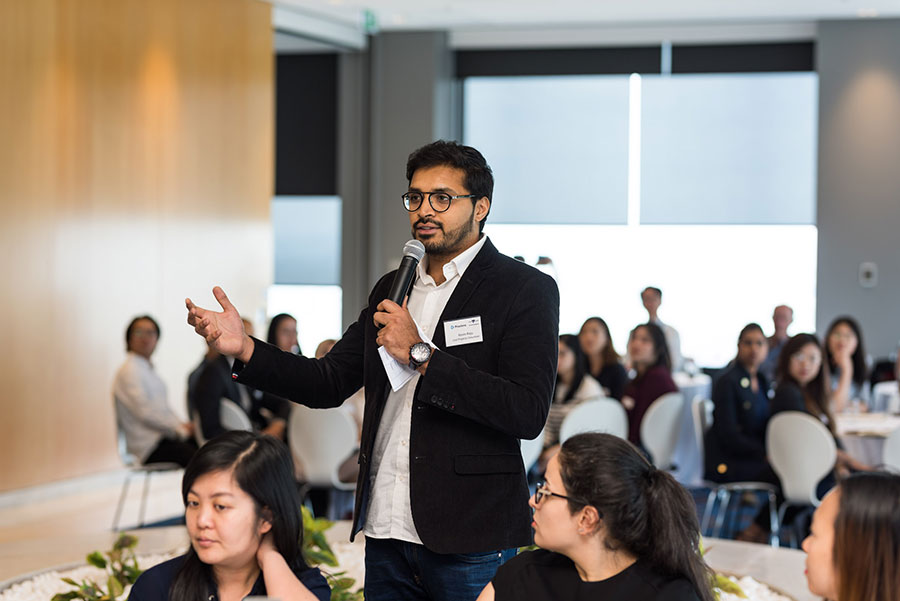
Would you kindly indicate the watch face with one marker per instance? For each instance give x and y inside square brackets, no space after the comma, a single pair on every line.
[420,352]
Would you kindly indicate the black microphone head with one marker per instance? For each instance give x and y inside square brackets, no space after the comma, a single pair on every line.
[414,249]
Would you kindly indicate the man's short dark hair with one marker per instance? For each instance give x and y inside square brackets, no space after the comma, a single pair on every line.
[653,289]
[479,179]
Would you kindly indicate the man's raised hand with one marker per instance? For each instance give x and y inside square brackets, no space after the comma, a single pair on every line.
[223,330]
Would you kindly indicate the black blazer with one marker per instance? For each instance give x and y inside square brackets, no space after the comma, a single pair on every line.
[468,491]
[736,442]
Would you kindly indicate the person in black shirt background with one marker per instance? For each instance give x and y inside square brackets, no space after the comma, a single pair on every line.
[603,361]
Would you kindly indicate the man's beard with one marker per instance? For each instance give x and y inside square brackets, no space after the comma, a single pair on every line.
[450,240]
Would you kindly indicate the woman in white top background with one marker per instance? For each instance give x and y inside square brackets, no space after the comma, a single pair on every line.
[153,433]
[574,385]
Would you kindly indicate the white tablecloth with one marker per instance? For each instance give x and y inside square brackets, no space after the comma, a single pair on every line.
[863,434]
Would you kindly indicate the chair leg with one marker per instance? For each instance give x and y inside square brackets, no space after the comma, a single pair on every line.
[708,511]
[122,495]
[724,502]
[144,499]
[774,524]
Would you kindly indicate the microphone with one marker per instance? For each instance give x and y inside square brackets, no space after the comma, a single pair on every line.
[413,251]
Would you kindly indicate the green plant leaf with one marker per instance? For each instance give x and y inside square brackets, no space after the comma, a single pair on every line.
[65,596]
[97,560]
[115,587]
[315,557]
[125,541]
[70,581]
[727,585]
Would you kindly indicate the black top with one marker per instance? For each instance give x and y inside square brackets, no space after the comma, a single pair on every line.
[736,442]
[154,584]
[613,378]
[543,575]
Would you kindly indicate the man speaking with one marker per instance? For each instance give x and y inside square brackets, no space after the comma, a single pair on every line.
[454,377]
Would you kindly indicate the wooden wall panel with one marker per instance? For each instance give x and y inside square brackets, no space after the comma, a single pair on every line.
[136,168]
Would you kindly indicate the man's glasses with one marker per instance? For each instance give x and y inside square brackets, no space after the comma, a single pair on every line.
[439,201]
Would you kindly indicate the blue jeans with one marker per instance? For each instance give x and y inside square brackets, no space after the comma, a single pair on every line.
[400,571]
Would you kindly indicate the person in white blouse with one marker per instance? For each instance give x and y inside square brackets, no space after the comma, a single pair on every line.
[153,433]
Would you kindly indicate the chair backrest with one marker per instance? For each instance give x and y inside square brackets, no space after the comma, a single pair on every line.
[891,457]
[122,445]
[531,450]
[232,417]
[321,439]
[886,397]
[598,415]
[700,416]
[660,428]
[801,451]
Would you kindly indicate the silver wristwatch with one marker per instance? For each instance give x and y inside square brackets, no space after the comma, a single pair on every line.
[419,354]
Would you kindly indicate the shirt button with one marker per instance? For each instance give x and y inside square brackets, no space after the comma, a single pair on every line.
[404,443]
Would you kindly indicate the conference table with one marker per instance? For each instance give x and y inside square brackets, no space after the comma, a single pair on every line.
[780,568]
[863,434]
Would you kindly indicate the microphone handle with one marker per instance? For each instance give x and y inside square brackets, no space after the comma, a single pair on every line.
[405,274]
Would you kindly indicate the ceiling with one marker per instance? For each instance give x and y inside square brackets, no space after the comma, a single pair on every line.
[455,15]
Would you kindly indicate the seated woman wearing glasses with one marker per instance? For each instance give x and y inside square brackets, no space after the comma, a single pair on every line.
[803,386]
[610,526]
[243,517]
[853,550]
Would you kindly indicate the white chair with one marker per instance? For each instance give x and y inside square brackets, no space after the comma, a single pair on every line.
[891,457]
[886,397]
[321,439]
[134,467]
[802,452]
[719,498]
[531,450]
[660,428]
[598,415]
[232,417]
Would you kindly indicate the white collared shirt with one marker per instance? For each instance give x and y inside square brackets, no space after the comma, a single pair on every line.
[389,514]
[142,406]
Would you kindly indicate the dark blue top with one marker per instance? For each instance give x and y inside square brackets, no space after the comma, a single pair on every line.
[736,442]
[154,584]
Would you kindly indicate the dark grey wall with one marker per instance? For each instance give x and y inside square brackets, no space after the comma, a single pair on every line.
[859,175]
[395,97]
[412,89]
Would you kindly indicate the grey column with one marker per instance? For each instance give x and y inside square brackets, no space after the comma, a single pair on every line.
[859,176]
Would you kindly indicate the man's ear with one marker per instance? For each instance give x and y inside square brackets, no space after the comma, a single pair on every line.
[482,208]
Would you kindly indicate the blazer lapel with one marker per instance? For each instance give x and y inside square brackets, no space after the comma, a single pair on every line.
[471,279]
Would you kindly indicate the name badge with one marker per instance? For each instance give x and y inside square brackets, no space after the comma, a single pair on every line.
[463,331]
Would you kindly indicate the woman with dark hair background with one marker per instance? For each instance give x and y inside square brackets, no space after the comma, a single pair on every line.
[846,357]
[853,550]
[653,375]
[283,333]
[803,386]
[574,385]
[735,445]
[242,512]
[610,526]
[603,360]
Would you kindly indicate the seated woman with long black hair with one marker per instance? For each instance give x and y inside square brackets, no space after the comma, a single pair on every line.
[649,357]
[735,445]
[853,550]
[803,386]
[610,526]
[845,354]
[242,512]
[603,360]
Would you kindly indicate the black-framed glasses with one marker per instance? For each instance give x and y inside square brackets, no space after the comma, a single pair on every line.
[542,492]
[439,201]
